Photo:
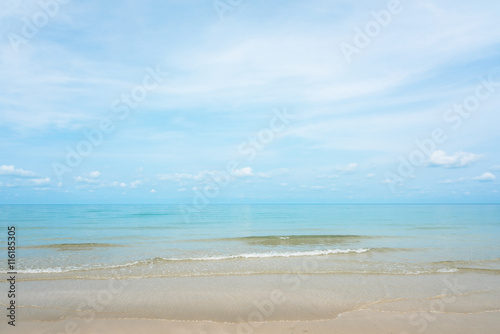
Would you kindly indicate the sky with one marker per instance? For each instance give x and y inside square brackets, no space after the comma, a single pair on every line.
[201,102]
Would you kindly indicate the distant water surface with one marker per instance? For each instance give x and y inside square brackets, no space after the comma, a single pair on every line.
[94,241]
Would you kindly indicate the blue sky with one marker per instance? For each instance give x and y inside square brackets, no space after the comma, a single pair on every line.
[249,102]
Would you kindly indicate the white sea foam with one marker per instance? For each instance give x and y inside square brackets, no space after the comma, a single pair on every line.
[45,270]
[275,254]
[203,258]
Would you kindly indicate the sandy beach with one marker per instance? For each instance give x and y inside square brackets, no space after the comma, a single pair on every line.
[437,303]
[359,322]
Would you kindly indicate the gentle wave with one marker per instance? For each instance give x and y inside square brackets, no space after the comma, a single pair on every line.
[187,263]
[203,258]
[469,262]
[294,240]
[273,254]
[48,270]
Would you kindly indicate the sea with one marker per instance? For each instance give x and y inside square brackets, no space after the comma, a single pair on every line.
[144,241]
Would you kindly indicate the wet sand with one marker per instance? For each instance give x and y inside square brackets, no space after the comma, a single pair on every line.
[437,303]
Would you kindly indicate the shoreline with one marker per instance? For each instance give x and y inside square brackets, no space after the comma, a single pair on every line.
[263,304]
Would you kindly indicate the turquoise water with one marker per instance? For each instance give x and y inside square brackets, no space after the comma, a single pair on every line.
[92,241]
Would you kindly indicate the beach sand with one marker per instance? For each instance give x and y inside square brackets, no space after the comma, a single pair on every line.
[320,303]
[359,322]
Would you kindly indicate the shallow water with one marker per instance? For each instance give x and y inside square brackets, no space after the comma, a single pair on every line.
[99,241]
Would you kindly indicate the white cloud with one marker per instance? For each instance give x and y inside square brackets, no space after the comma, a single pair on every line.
[95,174]
[459,159]
[276,172]
[450,181]
[215,175]
[181,189]
[93,178]
[40,182]
[389,181]
[118,184]
[244,171]
[12,170]
[347,169]
[136,183]
[180,177]
[177,177]
[34,182]
[83,179]
[485,177]
[153,191]
[370,175]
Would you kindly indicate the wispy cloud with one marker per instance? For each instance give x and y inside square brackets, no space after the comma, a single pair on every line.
[82,179]
[214,175]
[485,177]
[459,159]
[181,177]
[136,183]
[452,181]
[244,171]
[12,170]
[39,182]
[94,174]
[91,178]
[348,168]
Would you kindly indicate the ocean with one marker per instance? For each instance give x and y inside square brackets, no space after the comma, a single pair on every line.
[152,241]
